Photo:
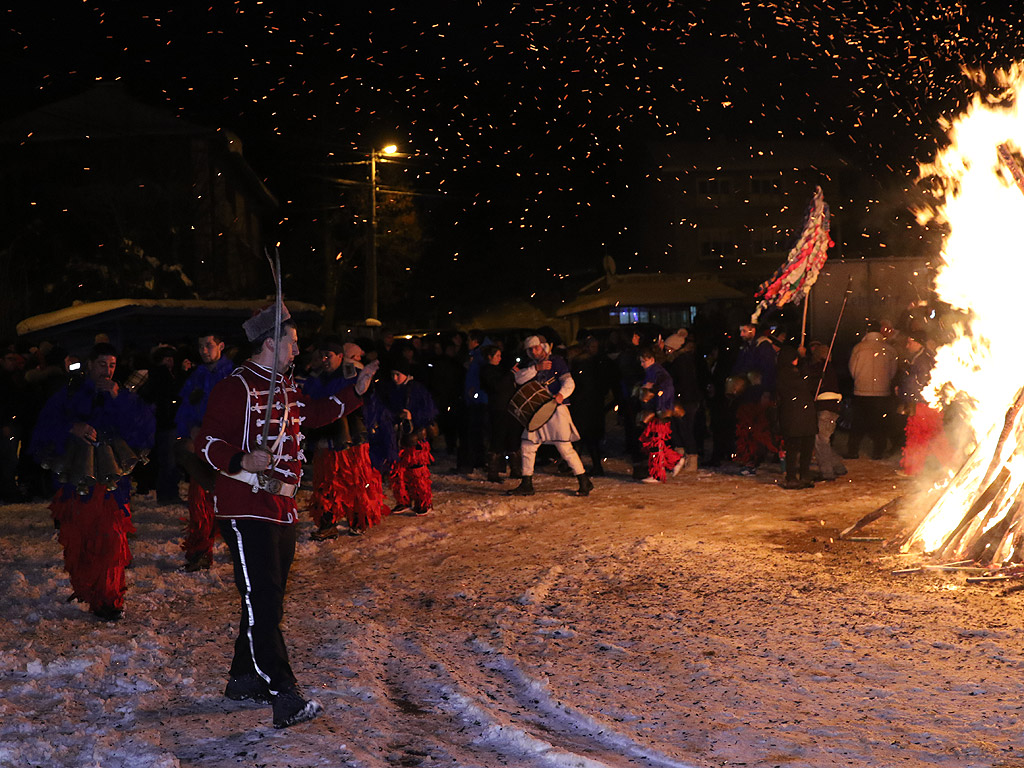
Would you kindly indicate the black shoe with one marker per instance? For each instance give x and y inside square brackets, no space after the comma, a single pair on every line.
[525,487]
[108,613]
[292,708]
[420,511]
[356,531]
[399,508]
[248,688]
[792,485]
[586,486]
[198,563]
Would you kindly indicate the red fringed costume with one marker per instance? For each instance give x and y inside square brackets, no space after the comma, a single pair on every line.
[926,439]
[345,484]
[94,534]
[754,437]
[410,478]
[200,527]
[661,456]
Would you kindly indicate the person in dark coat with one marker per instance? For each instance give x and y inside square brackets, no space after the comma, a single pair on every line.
[680,362]
[161,391]
[798,418]
[499,384]
[594,376]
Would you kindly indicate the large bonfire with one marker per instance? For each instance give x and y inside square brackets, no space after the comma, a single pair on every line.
[977,512]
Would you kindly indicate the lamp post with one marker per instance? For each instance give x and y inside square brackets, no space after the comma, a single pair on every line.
[371,262]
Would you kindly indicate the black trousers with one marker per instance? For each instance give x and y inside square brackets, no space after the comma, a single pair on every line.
[872,417]
[798,457]
[262,553]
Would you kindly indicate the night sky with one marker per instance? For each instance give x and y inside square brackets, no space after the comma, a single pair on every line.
[527,124]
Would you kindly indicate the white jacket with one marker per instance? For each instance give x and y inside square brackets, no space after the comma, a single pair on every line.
[873,366]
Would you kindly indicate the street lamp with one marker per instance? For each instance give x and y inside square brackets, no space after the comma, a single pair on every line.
[371,264]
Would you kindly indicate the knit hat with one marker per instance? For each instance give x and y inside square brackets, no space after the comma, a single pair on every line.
[676,340]
[262,322]
[533,341]
[402,365]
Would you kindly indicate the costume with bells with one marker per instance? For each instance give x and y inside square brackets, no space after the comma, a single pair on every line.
[345,485]
[93,512]
[256,512]
[553,372]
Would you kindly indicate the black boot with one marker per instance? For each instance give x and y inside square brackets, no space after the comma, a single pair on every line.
[494,462]
[525,487]
[515,466]
[586,486]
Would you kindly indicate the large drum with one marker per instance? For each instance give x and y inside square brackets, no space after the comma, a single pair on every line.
[532,405]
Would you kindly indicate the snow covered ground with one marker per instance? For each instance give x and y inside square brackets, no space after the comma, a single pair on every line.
[712,621]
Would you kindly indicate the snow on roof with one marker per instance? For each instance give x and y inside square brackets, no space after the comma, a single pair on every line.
[95,309]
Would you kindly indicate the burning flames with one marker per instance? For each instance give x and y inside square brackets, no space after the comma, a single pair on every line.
[982,273]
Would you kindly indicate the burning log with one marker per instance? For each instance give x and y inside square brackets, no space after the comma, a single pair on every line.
[995,495]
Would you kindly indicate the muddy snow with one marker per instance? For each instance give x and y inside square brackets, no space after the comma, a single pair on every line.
[714,620]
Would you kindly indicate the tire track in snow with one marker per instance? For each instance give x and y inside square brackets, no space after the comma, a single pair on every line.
[540,729]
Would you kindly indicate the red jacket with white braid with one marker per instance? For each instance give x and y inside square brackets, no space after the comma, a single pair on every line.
[233,425]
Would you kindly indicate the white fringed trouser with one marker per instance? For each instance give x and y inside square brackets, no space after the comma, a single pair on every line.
[565,450]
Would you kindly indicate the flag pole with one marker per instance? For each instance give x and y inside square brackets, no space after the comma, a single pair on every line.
[835,332]
[803,324]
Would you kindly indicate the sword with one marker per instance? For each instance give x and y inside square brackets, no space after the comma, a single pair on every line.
[275,269]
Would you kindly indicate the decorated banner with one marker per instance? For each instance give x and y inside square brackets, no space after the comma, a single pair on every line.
[793,280]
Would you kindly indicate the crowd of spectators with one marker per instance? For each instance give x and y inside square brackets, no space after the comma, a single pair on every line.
[726,412]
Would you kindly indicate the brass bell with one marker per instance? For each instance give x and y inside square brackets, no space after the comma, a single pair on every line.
[108,470]
[81,468]
[127,459]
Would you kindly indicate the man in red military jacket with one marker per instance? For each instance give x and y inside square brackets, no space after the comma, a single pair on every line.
[254,503]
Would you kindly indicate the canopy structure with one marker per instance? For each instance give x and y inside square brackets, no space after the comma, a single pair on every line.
[143,323]
[659,298]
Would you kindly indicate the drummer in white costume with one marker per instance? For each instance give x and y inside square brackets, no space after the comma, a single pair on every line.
[559,431]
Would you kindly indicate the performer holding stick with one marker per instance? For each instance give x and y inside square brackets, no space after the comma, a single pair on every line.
[254,498]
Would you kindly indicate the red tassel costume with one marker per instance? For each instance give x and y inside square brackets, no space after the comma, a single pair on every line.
[94,534]
[926,438]
[411,410]
[345,484]
[93,526]
[410,478]
[200,527]
[661,456]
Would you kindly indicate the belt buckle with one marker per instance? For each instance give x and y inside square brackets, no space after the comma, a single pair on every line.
[271,485]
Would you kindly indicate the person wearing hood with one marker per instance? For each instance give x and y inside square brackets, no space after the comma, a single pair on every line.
[552,372]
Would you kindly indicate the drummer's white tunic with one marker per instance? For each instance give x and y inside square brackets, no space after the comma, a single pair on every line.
[560,427]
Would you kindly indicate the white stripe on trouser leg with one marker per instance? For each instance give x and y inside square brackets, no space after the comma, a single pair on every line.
[567,452]
[248,602]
